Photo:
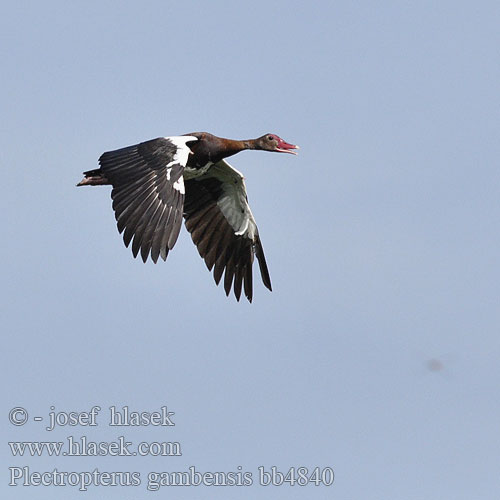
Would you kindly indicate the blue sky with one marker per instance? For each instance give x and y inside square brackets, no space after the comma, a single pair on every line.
[381,238]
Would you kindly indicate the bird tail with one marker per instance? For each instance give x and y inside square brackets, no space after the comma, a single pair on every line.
[94,178]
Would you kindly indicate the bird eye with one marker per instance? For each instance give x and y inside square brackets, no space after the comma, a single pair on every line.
[270,137]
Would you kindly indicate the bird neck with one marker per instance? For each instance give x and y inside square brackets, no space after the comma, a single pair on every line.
[230,147]
[211,148]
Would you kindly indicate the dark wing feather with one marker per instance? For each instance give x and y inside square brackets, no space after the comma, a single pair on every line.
[223,228]
[148,193]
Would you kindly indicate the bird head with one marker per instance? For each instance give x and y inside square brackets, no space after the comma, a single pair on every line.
[271,142]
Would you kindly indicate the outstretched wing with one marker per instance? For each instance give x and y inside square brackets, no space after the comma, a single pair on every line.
[148,192]
[222,226]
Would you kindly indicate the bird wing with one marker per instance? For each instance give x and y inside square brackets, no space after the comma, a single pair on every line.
[222,226]
[148,192]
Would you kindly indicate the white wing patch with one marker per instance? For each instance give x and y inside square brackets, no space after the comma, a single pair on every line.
[179,185]
[182,153]
[180,157]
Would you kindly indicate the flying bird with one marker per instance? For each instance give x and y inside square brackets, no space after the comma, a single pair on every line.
[158,182]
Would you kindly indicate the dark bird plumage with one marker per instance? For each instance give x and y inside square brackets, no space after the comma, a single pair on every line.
[158,182]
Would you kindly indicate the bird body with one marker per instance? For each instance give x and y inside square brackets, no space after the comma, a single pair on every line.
[158,182]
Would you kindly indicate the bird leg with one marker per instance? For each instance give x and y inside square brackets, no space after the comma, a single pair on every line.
[94,178]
